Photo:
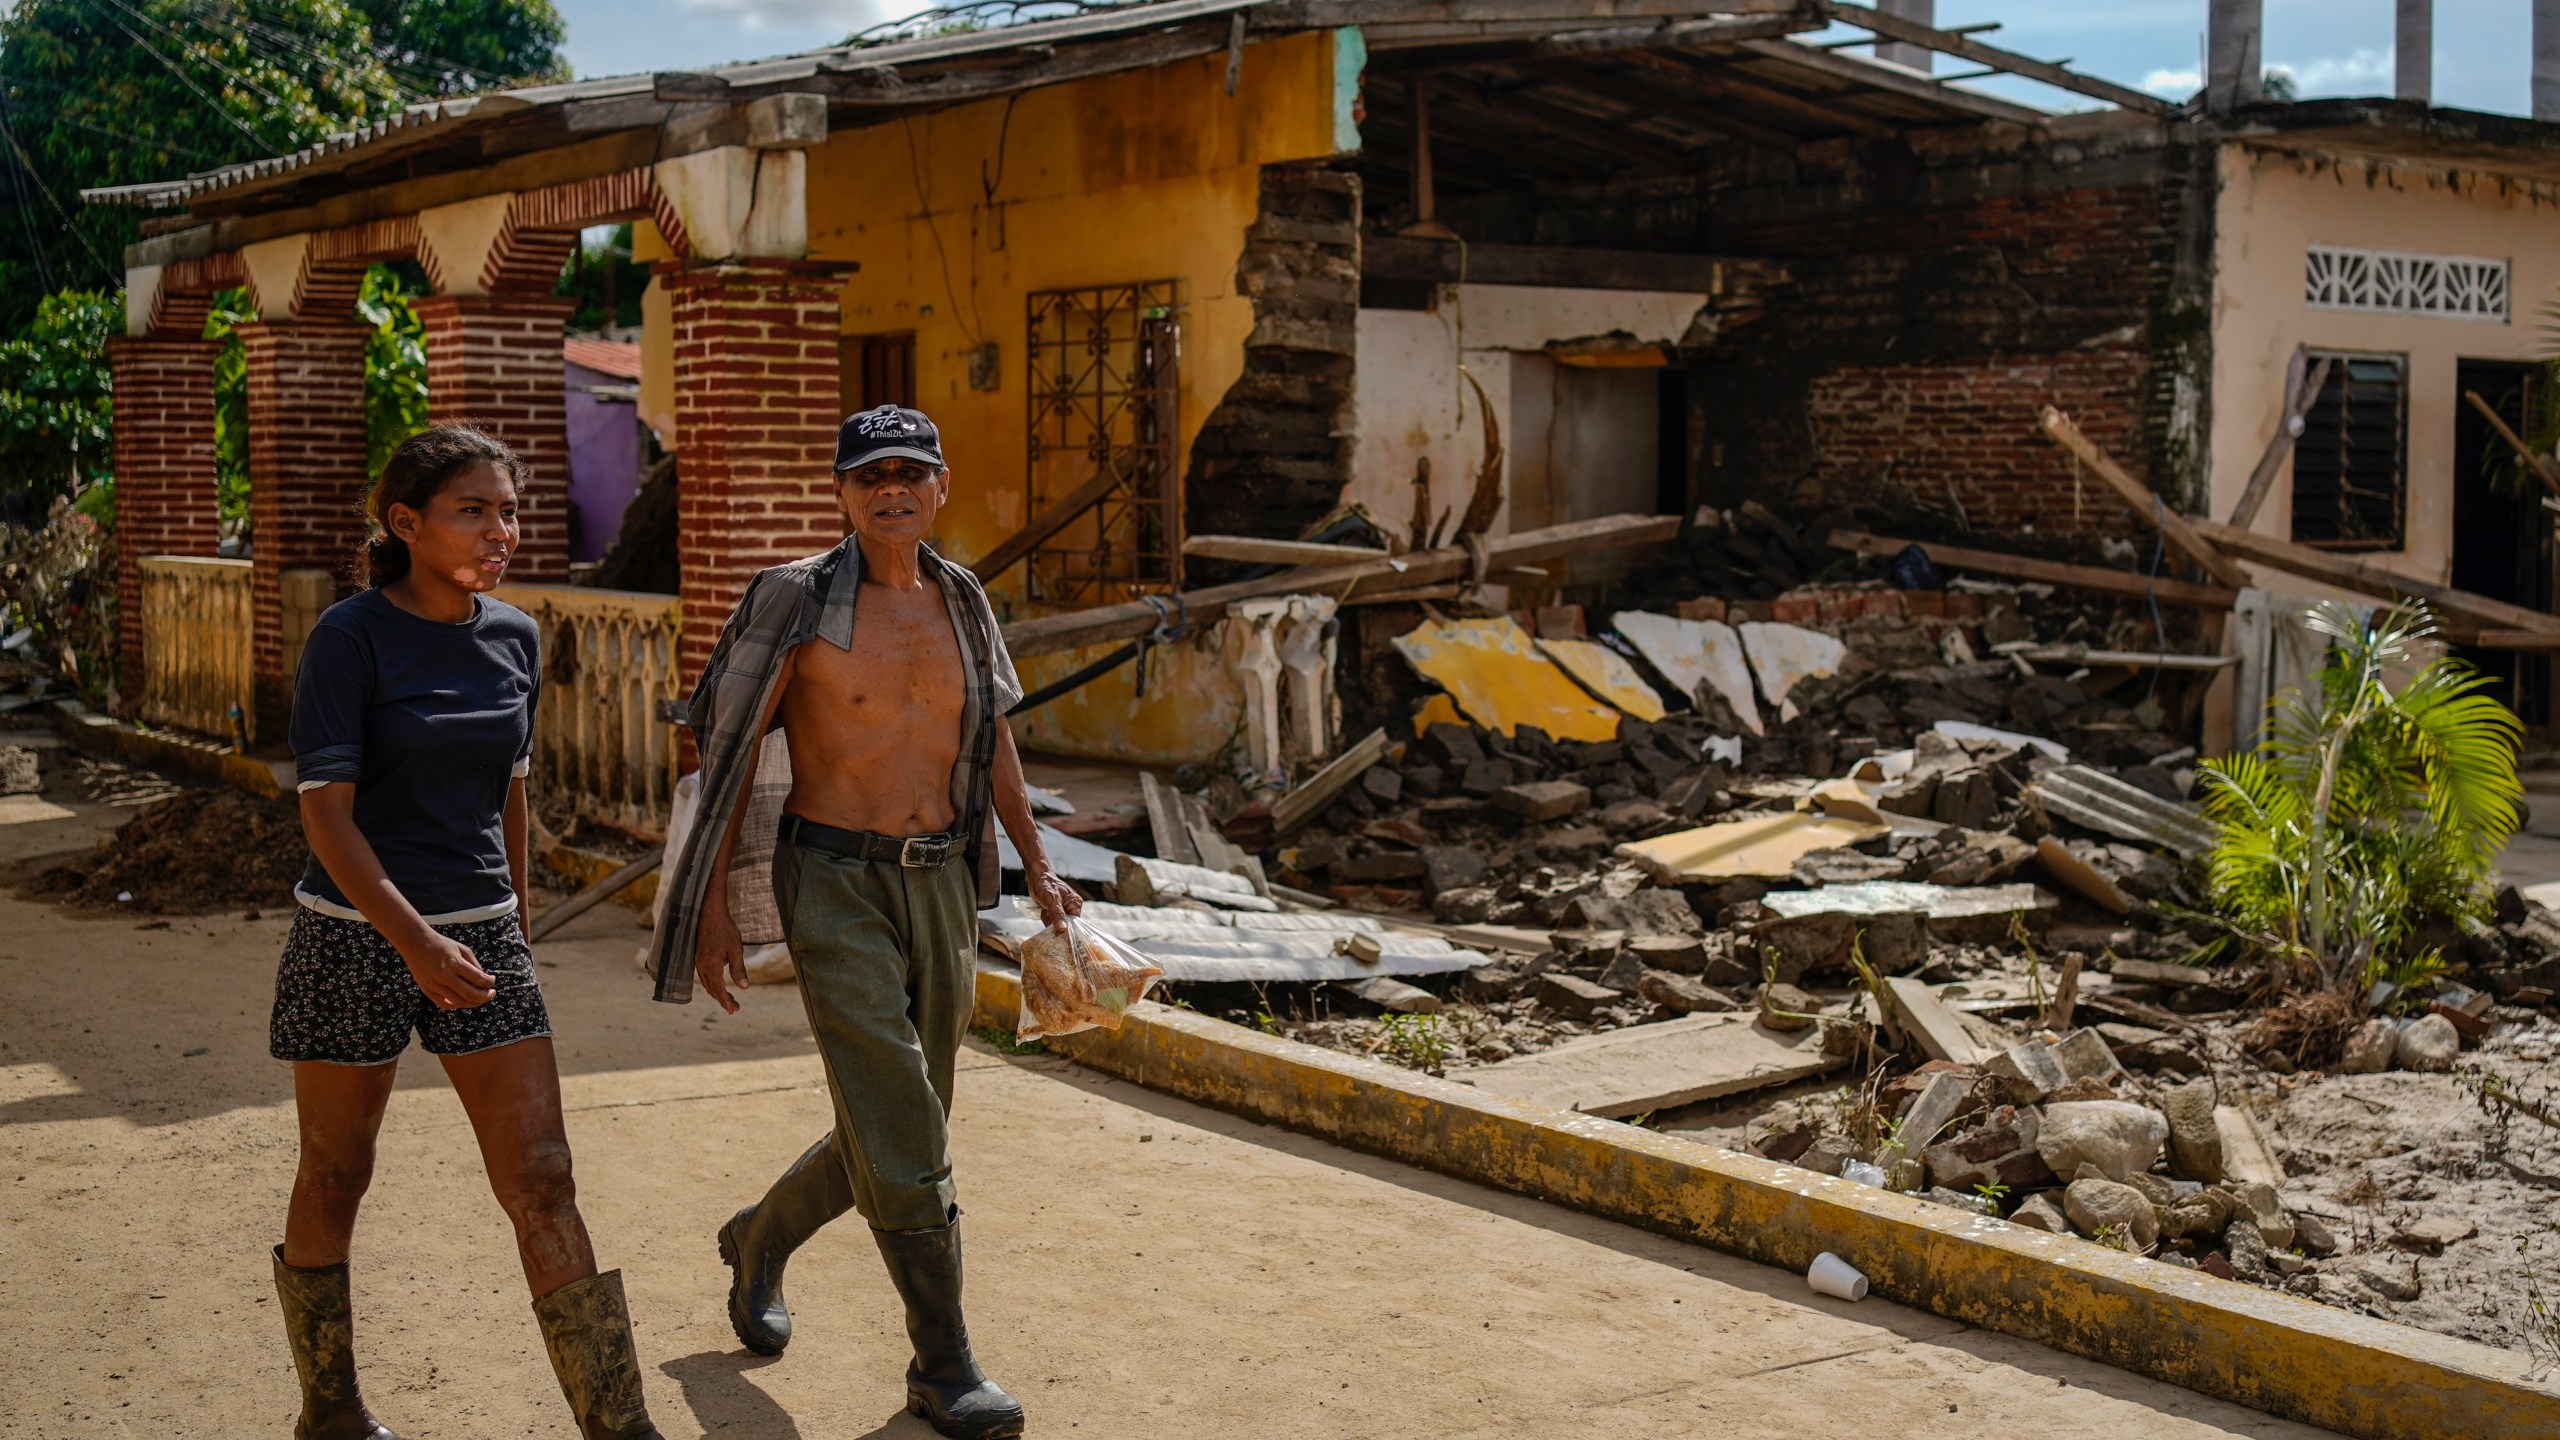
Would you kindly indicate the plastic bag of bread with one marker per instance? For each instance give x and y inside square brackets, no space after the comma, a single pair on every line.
[1074,978]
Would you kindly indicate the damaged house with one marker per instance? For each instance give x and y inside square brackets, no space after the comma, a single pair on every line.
[1178,276]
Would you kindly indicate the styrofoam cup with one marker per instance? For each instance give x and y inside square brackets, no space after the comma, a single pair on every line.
[1836,1277]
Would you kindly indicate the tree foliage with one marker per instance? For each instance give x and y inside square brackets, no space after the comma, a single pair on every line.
[2369,810]
[53,397]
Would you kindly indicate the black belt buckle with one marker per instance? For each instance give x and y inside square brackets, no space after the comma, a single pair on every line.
[923,852]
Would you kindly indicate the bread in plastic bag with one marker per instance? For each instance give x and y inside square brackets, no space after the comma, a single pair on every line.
[1074,978]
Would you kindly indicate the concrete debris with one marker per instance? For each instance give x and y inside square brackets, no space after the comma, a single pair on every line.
[1605,673]
[2117,1138]
[2111,1212]
[2428,1043]
[2091,797]
[1703,659]
[1499,678]
[2195,1142]
[1655,1067]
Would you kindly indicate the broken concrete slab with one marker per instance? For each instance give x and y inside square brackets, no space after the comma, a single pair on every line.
[1605,673]
[1764,846]
[1782,655]
[2033,1070]
[1394,995]
[1695,655]
[2001,1152]
[1940,1099]
[1138,880]
[2248,1154]
[1499,678]
[1930,1024]
[1572,996]
[1656,1067]
[1981,914]
[1685,993]
[1542,800]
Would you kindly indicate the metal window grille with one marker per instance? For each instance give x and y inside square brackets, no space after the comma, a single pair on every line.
[2393,282]
[1105,402]
[2350,468]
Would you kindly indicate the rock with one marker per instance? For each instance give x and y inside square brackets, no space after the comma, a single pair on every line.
[2247,1249]
[2096,1205]
[2195,1143]
[1573,997]
[1572,842]
[1541,800]
[1399,832]
[2311,1236]
[2286,1263]
[1451,810]
[1686,994]
[1646,912]
[1958,1200]
[2385,1277]
[1788,1008]
[1450,867]
[1633,817]
[1843,867]
[2032,1072]
[2154,1189]
[2002,1152]
[1826,1155]
[2428,1043]
[2369,1050]
[1384,785]
[1454,746]
[1684,954]
[1624,973]
[2216,1264]
[2430,1234]
[2118,1137]
[1384,865]
[1895,944]
[2038,1212]
[19,772]
[2201,1215]
[1424,780]
[1472,905]
[2258,1202]
[1484,777]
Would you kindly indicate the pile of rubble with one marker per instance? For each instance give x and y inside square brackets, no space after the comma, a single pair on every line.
[193,853]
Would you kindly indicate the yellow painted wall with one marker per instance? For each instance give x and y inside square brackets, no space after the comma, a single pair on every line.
[2272,206]
[956,217]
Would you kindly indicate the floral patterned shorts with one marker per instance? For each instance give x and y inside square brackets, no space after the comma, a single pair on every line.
[344,995]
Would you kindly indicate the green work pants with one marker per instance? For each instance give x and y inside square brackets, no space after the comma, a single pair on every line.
[886,958]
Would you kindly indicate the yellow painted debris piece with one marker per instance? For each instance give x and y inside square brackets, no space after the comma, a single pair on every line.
[1764,845]
[1435,709]
[1605,673]
[1493,670]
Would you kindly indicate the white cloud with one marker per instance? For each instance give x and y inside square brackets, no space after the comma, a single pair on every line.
[2173,84]
[846,15]
[2363,72]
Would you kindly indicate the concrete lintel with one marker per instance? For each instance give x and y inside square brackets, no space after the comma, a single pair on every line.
[2270,1351]
[737,203]
[454,241]
[274,268]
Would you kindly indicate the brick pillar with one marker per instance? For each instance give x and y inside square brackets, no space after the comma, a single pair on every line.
[756,416]
[306,478]
[494,361]
[164,472]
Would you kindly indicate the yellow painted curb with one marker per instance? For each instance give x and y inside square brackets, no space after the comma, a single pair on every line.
[2272,1352]
[204,759]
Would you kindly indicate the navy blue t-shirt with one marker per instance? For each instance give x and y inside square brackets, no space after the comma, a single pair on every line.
[430,721]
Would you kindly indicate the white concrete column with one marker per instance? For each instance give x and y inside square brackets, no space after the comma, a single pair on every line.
[2232,67]
[2413,51]
[1917,57]
[2546,59]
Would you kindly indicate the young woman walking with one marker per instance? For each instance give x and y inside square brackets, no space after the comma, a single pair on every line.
[412,733]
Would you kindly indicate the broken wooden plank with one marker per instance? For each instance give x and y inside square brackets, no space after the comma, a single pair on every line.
[2510,639]
[1051,633]
[2248,1154]
[1049,522]
[2145,501]
[1927,1020]
[2288,428]
[2129,971]
[2094,578]
[1165,820]
[1885,23]
[1657,1067]
[1255,550]
[1308,801]
[2348,573]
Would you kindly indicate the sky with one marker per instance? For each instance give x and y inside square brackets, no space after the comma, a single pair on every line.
[2330,47]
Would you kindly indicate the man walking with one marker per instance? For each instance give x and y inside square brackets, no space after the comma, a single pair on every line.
[899,754]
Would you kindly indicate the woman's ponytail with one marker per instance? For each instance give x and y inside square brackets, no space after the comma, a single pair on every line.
[422,466]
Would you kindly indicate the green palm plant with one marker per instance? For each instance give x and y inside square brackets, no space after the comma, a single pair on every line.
[2369,809]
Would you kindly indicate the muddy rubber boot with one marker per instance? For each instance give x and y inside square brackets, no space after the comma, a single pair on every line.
[587,1329]
[319,1324]
[945,1387]
[759,1239]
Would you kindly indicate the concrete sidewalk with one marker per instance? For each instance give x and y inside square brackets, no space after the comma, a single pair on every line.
[1140,1267]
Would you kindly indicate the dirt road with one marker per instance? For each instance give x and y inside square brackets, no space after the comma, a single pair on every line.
[1139,1267]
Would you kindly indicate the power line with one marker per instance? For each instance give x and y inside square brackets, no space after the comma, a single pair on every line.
[26,212]
[234,121]
[70,224]
[226,71]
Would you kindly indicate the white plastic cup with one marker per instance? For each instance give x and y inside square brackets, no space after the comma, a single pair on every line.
[1836,1278]
[1862,1173]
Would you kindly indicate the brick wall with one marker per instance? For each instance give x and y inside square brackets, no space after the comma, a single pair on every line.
[306,477]
[756,402]
[495,362]
[1270,460]
[164,472]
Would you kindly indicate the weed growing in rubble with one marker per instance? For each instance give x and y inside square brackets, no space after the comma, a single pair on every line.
[2368,809]
[1415,1041]
[1008,1042]
[1993,1191]
[2541,1297]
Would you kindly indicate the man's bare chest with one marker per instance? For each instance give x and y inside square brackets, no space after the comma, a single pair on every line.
[904,663]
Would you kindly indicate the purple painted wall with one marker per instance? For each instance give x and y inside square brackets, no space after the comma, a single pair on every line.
[604,461]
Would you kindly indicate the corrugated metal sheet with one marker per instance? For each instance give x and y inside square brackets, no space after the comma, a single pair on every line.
[2108,805]
[1199,945]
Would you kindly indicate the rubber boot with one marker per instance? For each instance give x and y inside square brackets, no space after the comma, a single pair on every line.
[759,1239]
[945,1387]
[587,1328]
[319,1323]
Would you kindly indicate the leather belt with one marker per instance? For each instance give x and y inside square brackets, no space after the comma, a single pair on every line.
[915,852]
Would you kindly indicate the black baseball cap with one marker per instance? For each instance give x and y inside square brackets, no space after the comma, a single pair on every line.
[885,432]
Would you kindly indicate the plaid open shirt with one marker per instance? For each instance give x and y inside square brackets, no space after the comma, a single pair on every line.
[787,606]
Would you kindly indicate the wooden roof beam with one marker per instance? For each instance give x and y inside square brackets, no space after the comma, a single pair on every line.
[1876,76]
[1947,42]
[1833,115]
